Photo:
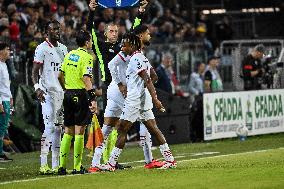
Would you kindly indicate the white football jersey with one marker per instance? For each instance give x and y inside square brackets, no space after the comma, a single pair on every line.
[137,95]
[117,67]
[51,57]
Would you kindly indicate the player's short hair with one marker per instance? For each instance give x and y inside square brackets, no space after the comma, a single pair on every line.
[133,39]
[82,37]
[3,45]
[48,23]
[140,29]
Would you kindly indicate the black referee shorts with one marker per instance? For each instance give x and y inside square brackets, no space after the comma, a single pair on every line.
[76,108]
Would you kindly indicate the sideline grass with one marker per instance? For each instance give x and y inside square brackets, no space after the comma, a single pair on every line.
[246,170]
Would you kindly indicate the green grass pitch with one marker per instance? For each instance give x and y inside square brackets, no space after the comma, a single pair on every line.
[256,163]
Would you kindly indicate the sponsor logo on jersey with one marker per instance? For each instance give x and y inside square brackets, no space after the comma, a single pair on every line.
[74,57]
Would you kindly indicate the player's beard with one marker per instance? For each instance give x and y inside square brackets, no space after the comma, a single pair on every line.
[146,43]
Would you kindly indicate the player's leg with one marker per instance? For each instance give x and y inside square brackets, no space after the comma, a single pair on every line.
[128,117]
[109,144]
[65,148]
[106,130]
[46,140]
[56,137]
[82,118]
[78,148]
[69,127]
[111,118]
[123,128]
[151,125]
[4,121]
[146,143]
[114,110]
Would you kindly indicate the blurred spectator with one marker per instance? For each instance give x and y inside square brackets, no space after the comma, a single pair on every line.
[4,34]
[175,83]
[107,16]
[203,20]
[25,15]
[201,38]
[212,79]
[82,5]
[164,76]
[195,86]
[224,30]
[4,21]
[14,27]
[11,9]
[59,15]
[68,36]
[168,22]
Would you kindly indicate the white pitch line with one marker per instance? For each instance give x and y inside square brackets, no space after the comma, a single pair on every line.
[142,161]
[186,160]
[1,168]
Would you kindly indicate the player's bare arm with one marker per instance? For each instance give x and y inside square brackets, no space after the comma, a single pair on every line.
[35,78]
[149,84]
[123,89]
[61,80]
[153,75]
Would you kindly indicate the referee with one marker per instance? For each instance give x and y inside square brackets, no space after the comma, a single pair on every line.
[79,100]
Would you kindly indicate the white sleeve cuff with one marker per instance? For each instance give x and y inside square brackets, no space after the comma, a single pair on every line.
[38,86]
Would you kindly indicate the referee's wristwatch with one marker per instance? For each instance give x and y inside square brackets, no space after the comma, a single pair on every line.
[92,95]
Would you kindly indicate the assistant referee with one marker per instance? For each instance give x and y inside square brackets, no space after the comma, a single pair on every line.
[79,100]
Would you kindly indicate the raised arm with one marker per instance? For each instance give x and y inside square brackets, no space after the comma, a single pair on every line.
[141,11]
[92,6]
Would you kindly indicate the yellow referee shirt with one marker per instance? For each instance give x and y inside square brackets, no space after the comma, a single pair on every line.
[77,64]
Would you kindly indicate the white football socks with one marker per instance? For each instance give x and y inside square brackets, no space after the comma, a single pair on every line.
[55,147]
[106,130]
[146,143]
[166,152]
[114,156]
[46,141]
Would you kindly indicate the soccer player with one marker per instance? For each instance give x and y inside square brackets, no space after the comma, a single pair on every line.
[116,94]
[106,51]
[47,60]
[138,104]
[6,100]
[79,100]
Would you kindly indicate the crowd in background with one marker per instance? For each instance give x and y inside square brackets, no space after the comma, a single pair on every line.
[22,26]
[23,20]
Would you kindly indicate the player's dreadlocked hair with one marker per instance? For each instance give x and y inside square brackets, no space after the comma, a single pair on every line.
[132,39]
[48,23]
[140,29]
